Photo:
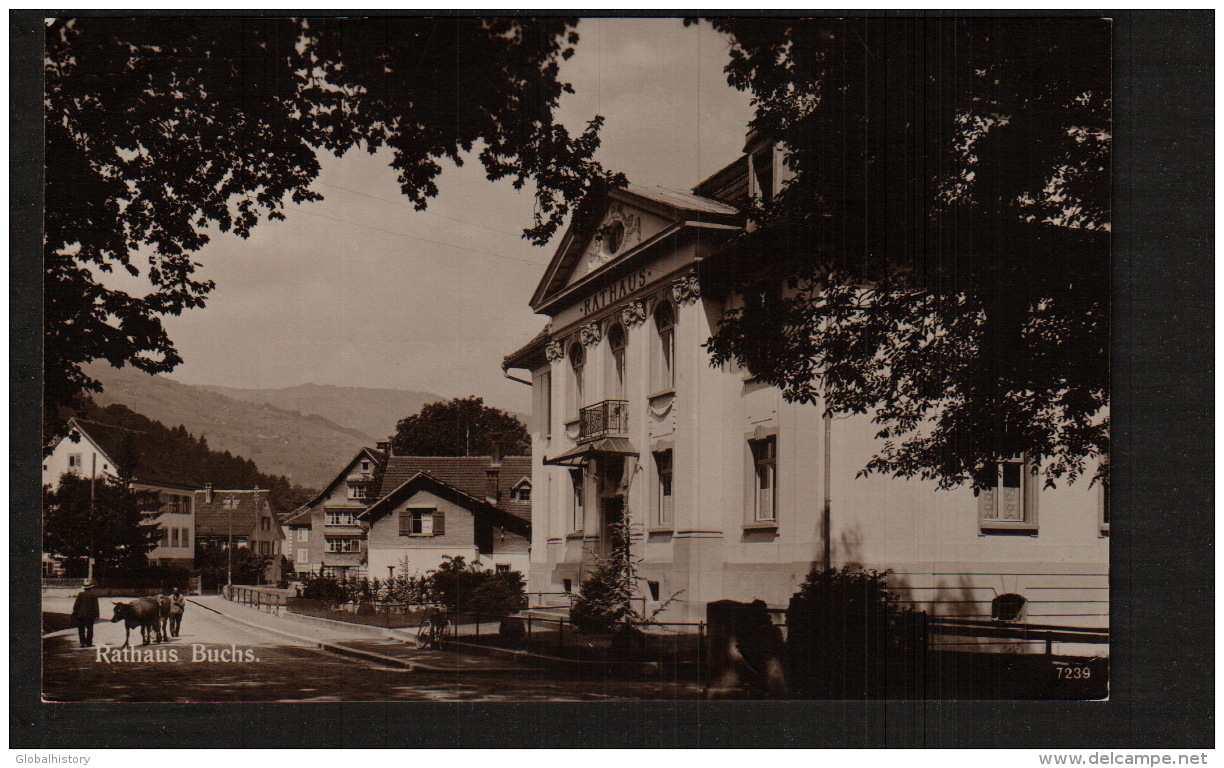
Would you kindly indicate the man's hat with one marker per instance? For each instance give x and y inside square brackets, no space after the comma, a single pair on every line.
[87,584]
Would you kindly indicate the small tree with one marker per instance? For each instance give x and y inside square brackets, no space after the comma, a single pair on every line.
[463,586]
[607,596]
[101,518]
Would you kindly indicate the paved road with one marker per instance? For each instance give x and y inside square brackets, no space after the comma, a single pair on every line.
[284,671]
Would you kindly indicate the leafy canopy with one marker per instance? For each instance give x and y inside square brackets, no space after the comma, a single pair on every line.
[943,233]
[159,128]
[462,426]
[109,521]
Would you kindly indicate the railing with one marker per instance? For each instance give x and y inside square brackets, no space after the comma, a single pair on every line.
[609,418]
[1014,633]
[681,643]
[262,598]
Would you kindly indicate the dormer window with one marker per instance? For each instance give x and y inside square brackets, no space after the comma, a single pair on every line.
[763,173]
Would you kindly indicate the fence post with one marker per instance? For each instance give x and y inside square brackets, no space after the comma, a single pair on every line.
[561,634]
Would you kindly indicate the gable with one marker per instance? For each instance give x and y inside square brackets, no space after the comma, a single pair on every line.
[622,228]
[627,222]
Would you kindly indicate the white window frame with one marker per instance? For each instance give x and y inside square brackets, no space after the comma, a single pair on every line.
[303,556]
[353,545]
[340,515]
[764,499]
[665,489]
[663,357]
[1002,511]
[577,481]
[303,534]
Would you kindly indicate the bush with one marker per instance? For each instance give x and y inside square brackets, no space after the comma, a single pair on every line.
[849,636]
[461,586]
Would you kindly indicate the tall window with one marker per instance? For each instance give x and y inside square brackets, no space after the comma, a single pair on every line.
[765,479]
[303,556]
[617,342]
[74,462]
[763,169]
[575,398]
[1007,500]
[662,368]
[577,501]
[303,534]
[545,409]
[663,493]
[174,534]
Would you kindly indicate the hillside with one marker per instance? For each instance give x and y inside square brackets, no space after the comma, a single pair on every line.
[308,449]
[371,411]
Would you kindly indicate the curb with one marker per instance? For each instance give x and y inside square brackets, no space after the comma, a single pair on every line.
[355,653]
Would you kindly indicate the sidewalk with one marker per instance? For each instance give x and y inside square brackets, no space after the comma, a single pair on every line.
[386,647]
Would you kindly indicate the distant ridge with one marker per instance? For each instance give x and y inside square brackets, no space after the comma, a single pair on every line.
[372,411]
[306,448]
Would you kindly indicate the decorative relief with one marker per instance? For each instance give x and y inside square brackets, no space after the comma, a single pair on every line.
[590,334]
[555,350]
[619,231]
[686,290]
[633,314]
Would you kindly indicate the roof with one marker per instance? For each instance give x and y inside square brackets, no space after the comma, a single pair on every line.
[214,520]
[299,516]
[464,473]
[130,452]
[683,201]
[378,457]
[478,506]
[530,355]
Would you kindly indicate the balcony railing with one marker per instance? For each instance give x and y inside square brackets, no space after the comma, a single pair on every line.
[609,418]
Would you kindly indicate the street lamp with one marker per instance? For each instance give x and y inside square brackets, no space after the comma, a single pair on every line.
[390,572]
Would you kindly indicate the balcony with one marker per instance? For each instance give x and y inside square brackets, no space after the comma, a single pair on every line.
[609,418]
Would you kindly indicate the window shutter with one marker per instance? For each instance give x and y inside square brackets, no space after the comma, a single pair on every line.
[405,522]
[439,523]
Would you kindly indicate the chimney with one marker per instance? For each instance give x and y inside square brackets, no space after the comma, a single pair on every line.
[492,486]
[383,446]
[495,450]
[208,493]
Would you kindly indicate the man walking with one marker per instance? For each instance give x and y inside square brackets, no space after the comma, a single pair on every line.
[85,613]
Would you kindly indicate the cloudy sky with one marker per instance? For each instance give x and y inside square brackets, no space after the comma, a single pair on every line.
[361,290]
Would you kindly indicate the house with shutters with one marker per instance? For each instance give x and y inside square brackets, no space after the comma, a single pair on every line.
[324,536]
[735,492]
[91,449]
[241,518]
[477,507]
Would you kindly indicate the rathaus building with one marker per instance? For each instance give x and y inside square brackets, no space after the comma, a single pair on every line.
[733,492]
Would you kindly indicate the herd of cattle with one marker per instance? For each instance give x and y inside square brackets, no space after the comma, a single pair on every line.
[159,618]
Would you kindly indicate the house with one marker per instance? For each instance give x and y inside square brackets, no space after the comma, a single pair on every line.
[734,492]
[477,507]
[324,536]
[94,450]
[241,518]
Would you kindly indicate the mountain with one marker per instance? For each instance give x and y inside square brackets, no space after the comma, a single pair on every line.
[372,411]
[307,448]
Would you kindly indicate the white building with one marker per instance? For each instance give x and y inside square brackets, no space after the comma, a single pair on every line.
[740,494]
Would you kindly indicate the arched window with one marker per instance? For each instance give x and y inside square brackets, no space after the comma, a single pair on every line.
[615,375]
[577,358]
[1007,607]
[663,357]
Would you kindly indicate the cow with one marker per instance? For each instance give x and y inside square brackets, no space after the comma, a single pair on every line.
[144,613]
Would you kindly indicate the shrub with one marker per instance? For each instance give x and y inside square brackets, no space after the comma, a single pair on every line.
[462,586]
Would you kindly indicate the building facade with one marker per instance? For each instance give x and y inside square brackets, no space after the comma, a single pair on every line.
[733,492]
[323,536]
[95,450]
[241,518]
[430,507]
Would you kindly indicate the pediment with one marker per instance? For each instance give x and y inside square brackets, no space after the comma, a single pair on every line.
[622,228]
[626,221]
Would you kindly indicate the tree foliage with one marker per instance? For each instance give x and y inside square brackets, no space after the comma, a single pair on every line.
[104,519]
[610,596]
[213,563]
[462,426]
[943,233]
[158,129]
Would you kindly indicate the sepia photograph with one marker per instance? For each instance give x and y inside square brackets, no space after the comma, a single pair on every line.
[550,359]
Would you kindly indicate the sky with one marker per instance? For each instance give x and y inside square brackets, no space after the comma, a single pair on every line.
[362,290]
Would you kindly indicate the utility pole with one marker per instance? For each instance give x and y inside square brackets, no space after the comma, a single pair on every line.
[93,471]
[229,551]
